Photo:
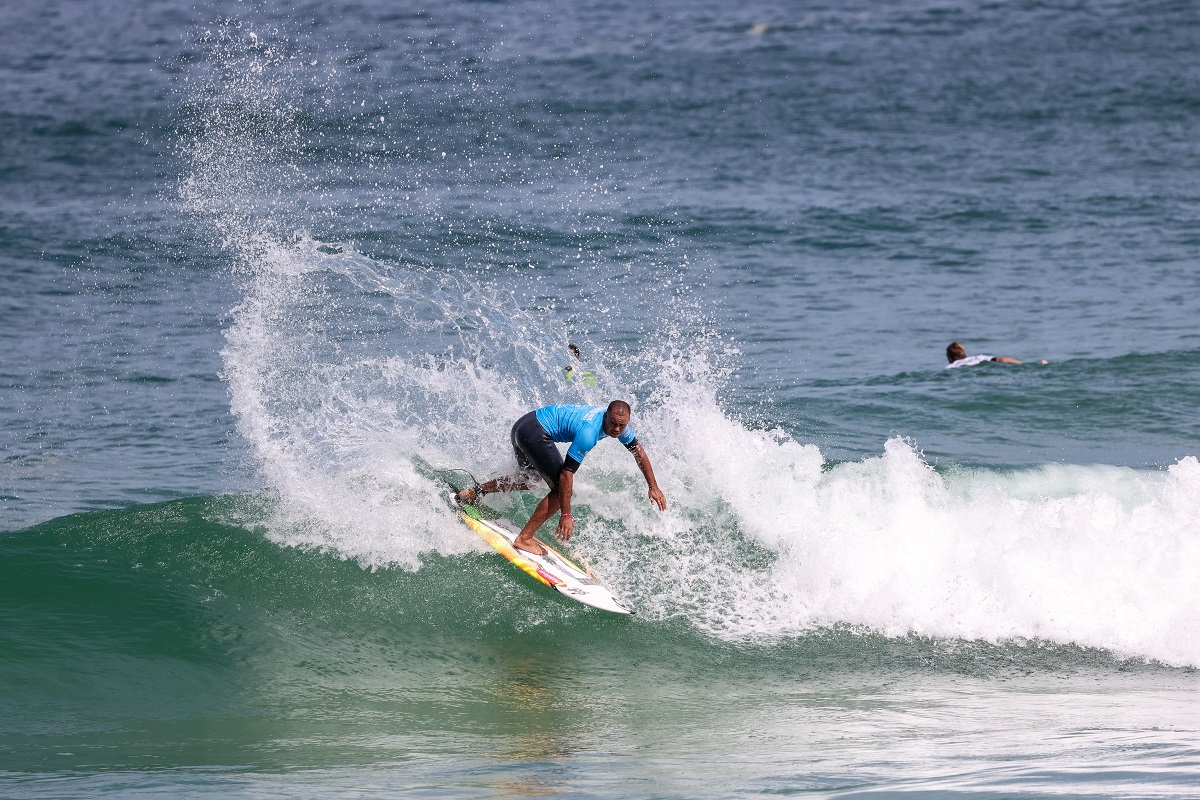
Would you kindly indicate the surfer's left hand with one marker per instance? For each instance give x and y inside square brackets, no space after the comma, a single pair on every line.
[658,498]
[565,526]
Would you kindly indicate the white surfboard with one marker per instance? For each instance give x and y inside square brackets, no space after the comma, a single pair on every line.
[553,569]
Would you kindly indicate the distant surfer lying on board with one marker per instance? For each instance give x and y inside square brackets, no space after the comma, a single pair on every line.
[533,438]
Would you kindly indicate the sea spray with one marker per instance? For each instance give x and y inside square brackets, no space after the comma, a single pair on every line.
[343,366]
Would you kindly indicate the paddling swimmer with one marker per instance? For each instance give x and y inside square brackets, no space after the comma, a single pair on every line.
[956,354]
[533,438]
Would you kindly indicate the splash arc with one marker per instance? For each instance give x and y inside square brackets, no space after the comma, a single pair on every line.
[552,569]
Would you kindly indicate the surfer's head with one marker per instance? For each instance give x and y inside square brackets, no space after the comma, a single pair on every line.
[955,351]
[616,418]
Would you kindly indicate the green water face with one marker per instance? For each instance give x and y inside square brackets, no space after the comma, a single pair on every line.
[179,651]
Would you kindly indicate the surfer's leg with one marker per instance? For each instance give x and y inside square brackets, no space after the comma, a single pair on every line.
[528,436]
[547,508]
[535,451]
[510,483]
[535,448]
[507,483]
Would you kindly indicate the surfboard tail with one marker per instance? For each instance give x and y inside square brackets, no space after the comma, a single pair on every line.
[596,597]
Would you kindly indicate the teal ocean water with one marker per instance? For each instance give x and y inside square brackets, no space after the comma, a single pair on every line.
[259,259]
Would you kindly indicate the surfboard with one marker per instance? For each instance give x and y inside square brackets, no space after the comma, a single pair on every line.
[553,569]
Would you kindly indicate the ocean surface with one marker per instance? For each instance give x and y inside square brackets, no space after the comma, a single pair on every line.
[257,259]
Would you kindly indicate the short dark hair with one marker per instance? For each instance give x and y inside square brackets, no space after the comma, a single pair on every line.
[620,405]
[955,351]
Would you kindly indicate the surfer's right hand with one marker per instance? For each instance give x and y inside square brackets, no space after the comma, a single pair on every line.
[658,498]
[566,524]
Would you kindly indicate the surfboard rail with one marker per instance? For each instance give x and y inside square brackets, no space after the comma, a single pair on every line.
[553,569]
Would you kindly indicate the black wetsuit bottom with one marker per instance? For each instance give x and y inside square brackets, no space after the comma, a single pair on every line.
[536,451]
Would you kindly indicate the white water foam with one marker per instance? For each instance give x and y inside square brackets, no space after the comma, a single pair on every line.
[767,540]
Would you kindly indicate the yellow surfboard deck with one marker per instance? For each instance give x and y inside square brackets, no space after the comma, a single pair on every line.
[553,569]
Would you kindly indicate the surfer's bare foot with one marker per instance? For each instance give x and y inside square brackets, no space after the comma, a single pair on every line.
[530,545]
[467,495]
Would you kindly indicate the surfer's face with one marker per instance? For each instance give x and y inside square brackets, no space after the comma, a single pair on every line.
[615,423]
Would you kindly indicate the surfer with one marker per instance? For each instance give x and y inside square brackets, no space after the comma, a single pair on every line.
[956,354]
[533,438]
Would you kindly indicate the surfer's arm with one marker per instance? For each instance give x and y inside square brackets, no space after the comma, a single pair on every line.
[643,462]
[566,486]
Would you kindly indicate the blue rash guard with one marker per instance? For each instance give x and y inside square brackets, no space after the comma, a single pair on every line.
[580,425]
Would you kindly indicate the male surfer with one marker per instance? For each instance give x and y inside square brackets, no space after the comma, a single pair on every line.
[956,354]
[533,438]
